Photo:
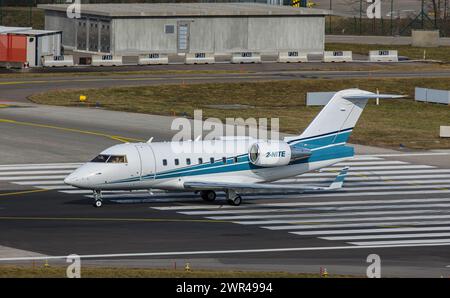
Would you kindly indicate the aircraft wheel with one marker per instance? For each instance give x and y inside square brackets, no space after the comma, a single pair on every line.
[208,195]
[236,201]
[98,203]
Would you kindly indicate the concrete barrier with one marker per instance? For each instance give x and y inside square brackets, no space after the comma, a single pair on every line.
[383,56]
[106,60]
[292,56]
[57,61]
[337,56]
[318,98]
[246,57]
[153,58]
[432,95]
[444,132]
[199,58]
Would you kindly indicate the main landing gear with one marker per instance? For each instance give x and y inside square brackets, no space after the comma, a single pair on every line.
[233,198]
[98,202]
[208,195]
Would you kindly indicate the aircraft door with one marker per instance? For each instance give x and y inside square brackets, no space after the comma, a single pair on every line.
[148,163]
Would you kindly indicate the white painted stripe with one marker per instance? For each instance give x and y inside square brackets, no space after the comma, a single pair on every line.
[331,214]
[35,172]
[40,165]
[368,178]
[294,204]
[372,173]
[325,220]
[410,154]
[221,252]
[292,210]
[422,241]
[381,193]
[382,183]
[400,167]
[369,231]
[21,178]
[366,157]
[43,167]
[78,191]
[55,187]
[390,236]
[390,187]
[356,225]
[352,163]
[41,182]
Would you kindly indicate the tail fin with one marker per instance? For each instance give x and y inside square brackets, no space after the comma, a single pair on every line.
[336,120]
[339,180]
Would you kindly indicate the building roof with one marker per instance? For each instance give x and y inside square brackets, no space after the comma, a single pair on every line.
[25,31]
[188,9]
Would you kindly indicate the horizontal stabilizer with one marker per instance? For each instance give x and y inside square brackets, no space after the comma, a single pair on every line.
[372,96]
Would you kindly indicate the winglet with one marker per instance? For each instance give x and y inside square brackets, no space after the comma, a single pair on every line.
[339,180]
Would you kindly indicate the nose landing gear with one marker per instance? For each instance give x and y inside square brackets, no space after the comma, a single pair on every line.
[98,202]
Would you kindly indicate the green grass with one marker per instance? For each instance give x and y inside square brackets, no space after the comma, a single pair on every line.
[20,17]
[394,122]
[111,272]
[439,53]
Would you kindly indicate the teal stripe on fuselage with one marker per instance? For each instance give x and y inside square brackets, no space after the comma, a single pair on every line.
[243,164]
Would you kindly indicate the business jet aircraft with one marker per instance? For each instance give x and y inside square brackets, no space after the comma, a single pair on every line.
[134,166]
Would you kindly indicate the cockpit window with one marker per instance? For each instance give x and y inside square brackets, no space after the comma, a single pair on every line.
[100,158]
[110,158]
[117,159]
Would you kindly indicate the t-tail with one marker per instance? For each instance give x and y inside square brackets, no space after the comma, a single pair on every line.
[335,122]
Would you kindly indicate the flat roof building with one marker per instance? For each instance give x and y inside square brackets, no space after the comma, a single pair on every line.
[128,29]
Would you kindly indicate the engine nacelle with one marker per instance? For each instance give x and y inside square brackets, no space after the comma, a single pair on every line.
[270,154]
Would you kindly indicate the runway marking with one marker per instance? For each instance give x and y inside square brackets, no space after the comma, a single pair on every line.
[386,224]
[381,218]
[234,251]
[116,138]
[22,192]
[108,219]
[369,168]
[36,172]
[390,236]
[328,214]
[19,178]
[421,241]
[369,231]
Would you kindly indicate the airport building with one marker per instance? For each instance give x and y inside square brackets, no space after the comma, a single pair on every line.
[220,28]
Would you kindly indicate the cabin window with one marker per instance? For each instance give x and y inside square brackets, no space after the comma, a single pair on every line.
[188,161]
[100,158]
[164,162]
[177,161]
[224,160]
[117,159]
[200,161]
[211,160]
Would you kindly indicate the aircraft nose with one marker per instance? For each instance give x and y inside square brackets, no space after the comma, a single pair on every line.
[71,180]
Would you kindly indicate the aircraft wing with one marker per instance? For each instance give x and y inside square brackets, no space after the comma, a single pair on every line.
[246,187]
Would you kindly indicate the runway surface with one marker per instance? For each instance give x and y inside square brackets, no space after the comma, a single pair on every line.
[390,205]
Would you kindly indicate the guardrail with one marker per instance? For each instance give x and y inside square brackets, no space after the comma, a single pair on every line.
[432,95]
[292,57]
[153,58]
[246,57]
[383,56]
[106,60]
[57,61]
[337,56]
[199,58]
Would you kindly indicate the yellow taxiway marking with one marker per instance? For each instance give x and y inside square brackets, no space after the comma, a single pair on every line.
[116,138]
[22,192]
[110,219]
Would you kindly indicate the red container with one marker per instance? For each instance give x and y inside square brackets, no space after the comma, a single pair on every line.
[13,48]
